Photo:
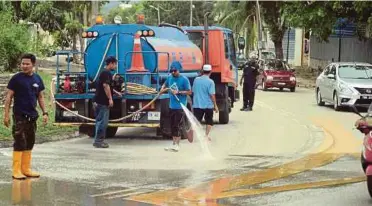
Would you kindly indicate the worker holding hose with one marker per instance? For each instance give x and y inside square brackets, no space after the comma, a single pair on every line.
[178,87]
[103,101]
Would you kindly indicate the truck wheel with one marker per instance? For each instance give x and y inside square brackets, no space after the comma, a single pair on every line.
[111,131]
[87,130]
[224,114]
[91,131]
[164,130]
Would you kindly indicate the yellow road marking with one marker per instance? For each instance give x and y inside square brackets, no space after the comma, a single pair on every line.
[338,142]
[301,186]
[114,192]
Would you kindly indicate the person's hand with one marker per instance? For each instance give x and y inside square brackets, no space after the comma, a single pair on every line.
[45,119]
[119,94]
[111,103]
[6,120]
[216,108]
[163,90]
[175,92]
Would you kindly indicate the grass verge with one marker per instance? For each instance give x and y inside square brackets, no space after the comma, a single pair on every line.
[43,132]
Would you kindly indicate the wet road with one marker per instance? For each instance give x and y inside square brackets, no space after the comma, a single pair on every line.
[288,151]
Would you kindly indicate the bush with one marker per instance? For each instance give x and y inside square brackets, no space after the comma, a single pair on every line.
[14,40]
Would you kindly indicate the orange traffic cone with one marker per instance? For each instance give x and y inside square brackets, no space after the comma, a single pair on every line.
[137,58]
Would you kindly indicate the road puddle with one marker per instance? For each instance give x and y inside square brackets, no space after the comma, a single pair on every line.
[51,192]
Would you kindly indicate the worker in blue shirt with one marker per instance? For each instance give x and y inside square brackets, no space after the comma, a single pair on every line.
[204,99]
[27,89]
[178,87]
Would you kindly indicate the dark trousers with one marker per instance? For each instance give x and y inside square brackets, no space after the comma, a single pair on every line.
[248,94]
[102,113]
[23,131]
[176,116]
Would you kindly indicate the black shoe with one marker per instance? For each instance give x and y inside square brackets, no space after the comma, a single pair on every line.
[243,108]
[101,145]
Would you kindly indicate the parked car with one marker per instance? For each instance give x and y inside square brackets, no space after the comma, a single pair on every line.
[345,84]
[275,73]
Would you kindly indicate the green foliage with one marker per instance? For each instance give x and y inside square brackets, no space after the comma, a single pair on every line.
[14,40]
[272,13]
[176,11]
[49,129]
[128,15]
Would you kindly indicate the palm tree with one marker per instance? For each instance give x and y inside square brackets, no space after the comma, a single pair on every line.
[238,17]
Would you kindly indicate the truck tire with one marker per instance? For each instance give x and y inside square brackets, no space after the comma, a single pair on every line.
[91,131]
[225,111]
[111,132]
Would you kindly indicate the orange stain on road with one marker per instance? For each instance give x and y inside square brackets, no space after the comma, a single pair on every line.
[337,143]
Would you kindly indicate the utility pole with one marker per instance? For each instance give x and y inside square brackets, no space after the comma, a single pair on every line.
[95,5]
[190,12]
[259,28]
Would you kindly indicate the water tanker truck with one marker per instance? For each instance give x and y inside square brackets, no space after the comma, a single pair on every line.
[144,55]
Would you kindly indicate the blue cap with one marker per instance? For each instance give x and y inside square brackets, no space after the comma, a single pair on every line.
[176,65]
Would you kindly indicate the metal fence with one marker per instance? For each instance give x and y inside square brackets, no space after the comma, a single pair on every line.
[348,49]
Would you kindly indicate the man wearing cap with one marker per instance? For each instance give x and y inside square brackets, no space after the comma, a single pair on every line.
[179,87]
[204,101]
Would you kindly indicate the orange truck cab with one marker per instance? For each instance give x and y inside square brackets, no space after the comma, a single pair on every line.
[218,47]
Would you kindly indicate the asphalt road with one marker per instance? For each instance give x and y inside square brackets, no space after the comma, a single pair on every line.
[288,151]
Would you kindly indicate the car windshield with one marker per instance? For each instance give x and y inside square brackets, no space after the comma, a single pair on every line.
[355,72]
[268,55]
[276,65]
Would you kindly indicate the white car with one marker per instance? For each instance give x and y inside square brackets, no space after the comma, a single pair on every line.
[344,84]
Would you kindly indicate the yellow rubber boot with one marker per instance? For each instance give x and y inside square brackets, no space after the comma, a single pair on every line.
[17,165]
[26,165]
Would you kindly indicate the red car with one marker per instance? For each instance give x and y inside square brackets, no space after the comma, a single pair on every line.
[276,73]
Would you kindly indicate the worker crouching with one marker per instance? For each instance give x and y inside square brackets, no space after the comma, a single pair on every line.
[27,89]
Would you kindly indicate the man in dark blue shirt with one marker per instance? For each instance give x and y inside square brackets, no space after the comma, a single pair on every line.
[178,87]
[27,89]
[103,101]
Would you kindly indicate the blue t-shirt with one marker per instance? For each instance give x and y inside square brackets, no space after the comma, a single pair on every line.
[180,83]
[26,91]
[203,88]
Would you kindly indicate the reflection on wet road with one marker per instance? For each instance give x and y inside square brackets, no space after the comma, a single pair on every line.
[282,153]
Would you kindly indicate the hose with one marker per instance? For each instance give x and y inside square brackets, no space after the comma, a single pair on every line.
[132,88]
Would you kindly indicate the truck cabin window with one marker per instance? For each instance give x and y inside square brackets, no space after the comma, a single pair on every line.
[197,39]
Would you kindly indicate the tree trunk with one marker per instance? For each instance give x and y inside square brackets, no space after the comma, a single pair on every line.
[278,49]
[74,41]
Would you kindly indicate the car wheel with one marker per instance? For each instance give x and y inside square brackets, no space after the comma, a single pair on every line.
[293,89]
[319,99]
[281,88]
[336,105]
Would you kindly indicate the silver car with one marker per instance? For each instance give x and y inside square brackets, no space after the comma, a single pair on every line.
[344,84]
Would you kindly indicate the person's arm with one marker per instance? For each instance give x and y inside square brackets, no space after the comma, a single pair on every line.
[187,90]
[41,101]
[212,94]
[8,100]
[105,78]
[165,86]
